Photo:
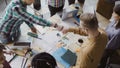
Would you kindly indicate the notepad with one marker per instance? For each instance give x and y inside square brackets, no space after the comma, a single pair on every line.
[57,54]
[69,57]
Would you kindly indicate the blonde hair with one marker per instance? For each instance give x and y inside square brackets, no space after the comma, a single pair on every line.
[89,20]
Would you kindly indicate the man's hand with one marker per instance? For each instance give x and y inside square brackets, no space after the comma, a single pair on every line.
[54,25]
[28,66]
[65,30]
[60,27]
[34,30]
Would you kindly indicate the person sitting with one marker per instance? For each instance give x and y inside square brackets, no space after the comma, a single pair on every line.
[43,60]
[93,46]
[3,62]
[113,32]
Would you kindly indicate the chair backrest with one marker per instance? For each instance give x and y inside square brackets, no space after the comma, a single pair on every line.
[115,58]
[118,51]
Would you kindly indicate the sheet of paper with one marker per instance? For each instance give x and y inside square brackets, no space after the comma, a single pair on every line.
[70,41]
[18,59]
[55,19]
[48,41]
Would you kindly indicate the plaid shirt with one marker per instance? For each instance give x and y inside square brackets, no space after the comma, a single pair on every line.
[15,15]
[56,3]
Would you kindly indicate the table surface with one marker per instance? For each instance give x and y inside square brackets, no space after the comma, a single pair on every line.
[50,40]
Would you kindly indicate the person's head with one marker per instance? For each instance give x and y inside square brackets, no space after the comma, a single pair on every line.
[43,60]
[28,2]
[88,21]
[2,57]
[116,12]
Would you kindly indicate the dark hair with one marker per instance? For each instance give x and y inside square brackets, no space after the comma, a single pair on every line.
[116,9]
[90,20]
[2,47]
[43,60]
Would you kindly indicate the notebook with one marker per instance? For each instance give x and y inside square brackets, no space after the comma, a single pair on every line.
[69,12]
[57,54]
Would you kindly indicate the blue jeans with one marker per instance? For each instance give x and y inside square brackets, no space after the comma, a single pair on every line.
[4,38]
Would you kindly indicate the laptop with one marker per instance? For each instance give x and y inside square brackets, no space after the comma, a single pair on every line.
[69,12]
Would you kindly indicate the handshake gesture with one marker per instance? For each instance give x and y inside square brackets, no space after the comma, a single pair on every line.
[60,28]
[55,25]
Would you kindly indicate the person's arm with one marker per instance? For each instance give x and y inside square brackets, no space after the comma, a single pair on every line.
[33,29]
[76,30]
[29,24]
[114,42]
[29,66]
[1,65]
[29,17]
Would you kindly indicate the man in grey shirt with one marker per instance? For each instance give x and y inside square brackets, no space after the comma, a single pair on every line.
[113,32]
